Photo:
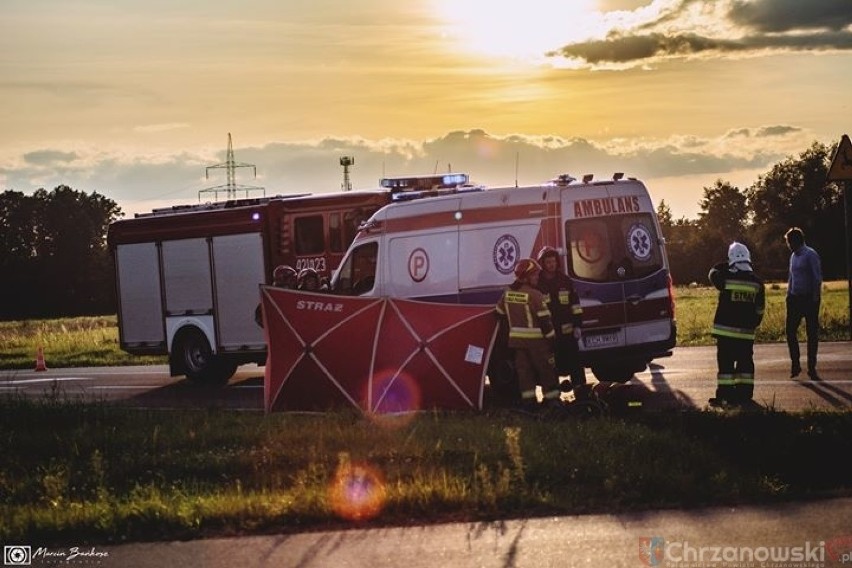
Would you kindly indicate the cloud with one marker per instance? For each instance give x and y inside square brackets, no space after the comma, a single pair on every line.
[788,15]
[724,28]
[48,157]
[140,182]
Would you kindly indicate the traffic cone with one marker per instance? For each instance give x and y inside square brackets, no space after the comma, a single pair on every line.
[40,366]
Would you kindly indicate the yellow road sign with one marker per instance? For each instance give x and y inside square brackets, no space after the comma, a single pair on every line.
[841,164]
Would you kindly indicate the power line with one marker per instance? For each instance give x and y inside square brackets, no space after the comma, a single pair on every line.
[230,188]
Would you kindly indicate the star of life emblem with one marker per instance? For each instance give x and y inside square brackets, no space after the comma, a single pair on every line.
[506,254]
[639,242]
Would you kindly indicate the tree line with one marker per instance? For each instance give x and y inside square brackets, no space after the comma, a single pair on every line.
[53,254]
[794,193]
[54,259]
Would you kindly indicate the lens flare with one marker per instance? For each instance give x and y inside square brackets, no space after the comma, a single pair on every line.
[394,393]
[358,492]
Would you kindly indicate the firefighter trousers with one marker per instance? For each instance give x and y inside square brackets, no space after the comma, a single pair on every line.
[534,366]
[735,359]
[568,359]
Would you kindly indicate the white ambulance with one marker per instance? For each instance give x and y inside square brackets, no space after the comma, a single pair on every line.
[459,243]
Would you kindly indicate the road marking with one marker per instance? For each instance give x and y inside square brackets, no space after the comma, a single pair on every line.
[806,382]
[46,380]
[129,387]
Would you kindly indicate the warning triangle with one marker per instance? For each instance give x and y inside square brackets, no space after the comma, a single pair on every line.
[841,164]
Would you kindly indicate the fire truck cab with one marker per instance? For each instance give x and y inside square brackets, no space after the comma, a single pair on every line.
[188,277]
[460,244]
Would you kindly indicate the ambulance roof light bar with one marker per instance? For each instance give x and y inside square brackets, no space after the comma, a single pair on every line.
[588,177]
[617,176]
[563,179]
[427,182]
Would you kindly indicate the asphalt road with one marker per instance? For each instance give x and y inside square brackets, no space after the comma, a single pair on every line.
[817,533]
[685,380]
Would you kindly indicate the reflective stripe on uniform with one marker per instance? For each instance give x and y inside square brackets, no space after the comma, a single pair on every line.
[514,297]
[725,379]
[744,379]
[734,332]
[526,332]
[552,394]
[528,394]
[742,286]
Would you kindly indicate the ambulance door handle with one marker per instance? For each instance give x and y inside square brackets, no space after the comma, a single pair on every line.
[634,299]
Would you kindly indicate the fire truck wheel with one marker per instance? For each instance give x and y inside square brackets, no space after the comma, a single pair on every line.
[199,362]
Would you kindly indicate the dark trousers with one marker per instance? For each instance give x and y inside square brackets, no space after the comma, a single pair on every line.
[534,366]
[799,307]
[568,359]
[735,360]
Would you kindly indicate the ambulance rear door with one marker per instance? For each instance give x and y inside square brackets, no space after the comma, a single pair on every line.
[616,258]
[592,257]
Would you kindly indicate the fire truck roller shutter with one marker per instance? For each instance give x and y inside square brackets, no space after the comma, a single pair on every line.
[140,302]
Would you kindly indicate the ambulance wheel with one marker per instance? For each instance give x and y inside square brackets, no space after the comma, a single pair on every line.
[199,363]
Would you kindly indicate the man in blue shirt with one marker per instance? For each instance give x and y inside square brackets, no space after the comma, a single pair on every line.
[804,287]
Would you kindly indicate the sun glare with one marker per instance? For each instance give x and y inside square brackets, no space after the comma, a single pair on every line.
[521,31]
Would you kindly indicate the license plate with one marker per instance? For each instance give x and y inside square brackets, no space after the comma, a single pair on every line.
[600,340]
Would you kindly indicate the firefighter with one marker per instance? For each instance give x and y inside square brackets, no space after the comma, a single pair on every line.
[567,314]
[284,276]
[742,299]
[309,280]
[524,310]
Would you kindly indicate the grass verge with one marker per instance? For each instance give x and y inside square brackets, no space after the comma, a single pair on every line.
[93,473]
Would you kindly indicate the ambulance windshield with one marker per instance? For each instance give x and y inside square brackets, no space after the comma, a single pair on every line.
[613,248]
[357,275]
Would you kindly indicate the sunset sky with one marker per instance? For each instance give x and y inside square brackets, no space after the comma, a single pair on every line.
[133,99]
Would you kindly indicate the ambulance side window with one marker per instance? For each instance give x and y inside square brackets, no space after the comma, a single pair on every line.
[613,248]
[358,272]
[590,255]
[309,235]
[640,244]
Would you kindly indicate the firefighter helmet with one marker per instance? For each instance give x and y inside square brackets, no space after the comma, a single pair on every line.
[284,275]
[545,252]
[525,267]
[308,279]
[738,252]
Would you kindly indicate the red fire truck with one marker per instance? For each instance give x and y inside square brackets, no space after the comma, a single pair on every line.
[187,277]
